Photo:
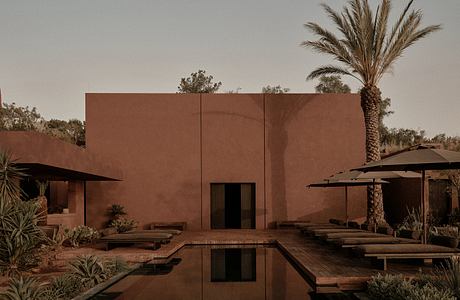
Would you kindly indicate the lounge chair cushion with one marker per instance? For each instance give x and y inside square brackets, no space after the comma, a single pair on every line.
[373,240]
[402,249]
[338,235]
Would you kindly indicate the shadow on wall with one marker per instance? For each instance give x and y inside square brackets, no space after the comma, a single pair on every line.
[278,116]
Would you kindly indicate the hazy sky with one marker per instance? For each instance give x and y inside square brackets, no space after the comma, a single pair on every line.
[53,52]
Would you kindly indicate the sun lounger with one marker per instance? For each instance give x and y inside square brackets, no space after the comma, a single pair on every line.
[135,238]
[381,253]
[359,234]
[169,231]
[349,242]
[323,231]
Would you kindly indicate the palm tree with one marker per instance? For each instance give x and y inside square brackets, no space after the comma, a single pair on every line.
[366,50]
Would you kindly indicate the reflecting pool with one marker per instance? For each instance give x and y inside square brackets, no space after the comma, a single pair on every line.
[214,273]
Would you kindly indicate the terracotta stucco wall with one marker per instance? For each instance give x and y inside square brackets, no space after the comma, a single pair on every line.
[308,138]
[155,140]
[172,146]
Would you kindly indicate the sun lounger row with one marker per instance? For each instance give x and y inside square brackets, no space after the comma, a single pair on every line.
[378,246]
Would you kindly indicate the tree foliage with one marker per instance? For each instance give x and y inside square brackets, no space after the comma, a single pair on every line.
[366,48]
[17,118]
[199,82]
[332,84]
[274,89]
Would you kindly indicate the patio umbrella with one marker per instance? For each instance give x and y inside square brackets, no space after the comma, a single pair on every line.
[359,178]
[421,160]
[331,182]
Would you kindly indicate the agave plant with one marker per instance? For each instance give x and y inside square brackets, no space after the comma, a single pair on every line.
[81,235]
[63,287]
[90,269]
[10,176]
[23,289]
[21,237]
[116,211]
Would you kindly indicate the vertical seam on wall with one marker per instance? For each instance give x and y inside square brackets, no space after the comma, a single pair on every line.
[201,164]
[265,175]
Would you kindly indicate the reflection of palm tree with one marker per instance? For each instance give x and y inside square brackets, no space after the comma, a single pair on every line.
[367,50]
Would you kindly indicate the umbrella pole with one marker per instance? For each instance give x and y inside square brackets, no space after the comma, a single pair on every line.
[346,205]
[424,208]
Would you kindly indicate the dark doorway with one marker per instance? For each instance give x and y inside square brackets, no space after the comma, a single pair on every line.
[233,205]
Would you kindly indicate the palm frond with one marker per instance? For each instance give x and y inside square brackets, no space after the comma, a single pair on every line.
[330,70]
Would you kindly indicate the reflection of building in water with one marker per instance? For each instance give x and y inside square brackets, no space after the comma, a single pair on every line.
[233,264]
[207,274]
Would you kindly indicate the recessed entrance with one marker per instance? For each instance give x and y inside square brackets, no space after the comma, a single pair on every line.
[233,206]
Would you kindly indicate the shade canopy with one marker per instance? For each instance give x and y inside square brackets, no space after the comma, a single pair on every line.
[420,159]
[341,183]
[360,175]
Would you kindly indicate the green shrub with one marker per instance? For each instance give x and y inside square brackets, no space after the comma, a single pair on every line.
[388,287]
[429,292]
[123,225]
[90,269]
[81,235]
[448,276]
[22,289]
[63,287]
[395,287]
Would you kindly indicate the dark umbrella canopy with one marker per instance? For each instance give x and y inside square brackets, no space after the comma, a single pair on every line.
[333,182]
[420,159]
[360,175]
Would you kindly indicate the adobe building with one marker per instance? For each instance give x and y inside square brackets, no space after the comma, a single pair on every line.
[67,167]
[224,160]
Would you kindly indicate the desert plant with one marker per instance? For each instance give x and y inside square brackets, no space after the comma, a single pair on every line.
[413,220]
[63,287]
[81,235]
[123,225]
[10,176]
[23,289]
[90,269]
[383,287]
[429,292]
[21,237]
[449,276]
[116,211]
[395,287]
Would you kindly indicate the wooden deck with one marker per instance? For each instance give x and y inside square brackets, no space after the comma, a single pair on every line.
[327,269]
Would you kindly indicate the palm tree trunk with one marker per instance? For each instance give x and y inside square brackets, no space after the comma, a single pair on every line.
[370,103]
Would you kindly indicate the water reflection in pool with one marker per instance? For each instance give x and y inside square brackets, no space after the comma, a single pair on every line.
[215,273]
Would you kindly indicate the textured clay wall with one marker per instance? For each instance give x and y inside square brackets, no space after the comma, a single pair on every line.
[233,146]
[155,138]
[308,138]
[172,146]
